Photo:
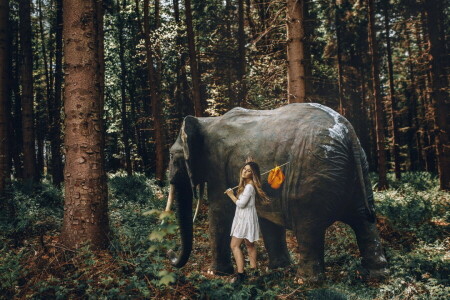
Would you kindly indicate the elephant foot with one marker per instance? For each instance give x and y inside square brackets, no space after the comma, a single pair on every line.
[376,274]
[279,263]
[221,270]
[310,278]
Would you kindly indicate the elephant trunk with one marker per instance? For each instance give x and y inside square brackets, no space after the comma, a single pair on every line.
[182,193]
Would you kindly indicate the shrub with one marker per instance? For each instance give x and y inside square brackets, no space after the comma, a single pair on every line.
[136,188]
[404,209]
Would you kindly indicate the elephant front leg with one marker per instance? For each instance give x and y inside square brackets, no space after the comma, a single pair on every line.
[219,234]
[311,248]
[275,243]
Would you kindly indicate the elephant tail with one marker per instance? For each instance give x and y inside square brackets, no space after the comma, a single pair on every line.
[362,173]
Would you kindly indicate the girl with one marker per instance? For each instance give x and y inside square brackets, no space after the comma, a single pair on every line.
[245,223]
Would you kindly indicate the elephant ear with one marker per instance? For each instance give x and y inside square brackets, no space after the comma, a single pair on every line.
[192,141]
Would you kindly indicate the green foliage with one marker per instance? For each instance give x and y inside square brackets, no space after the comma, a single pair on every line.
[136,265]
[419,181]
[31,209]
[135,189]
[405,210]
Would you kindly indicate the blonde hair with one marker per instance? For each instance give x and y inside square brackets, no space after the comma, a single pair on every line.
[261,196]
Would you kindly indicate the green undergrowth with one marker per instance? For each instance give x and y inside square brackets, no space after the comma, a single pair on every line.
[413,219]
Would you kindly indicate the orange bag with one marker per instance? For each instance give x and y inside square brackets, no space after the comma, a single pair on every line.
[276,178]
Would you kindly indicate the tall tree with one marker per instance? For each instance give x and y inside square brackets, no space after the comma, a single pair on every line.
[4,94]
[86,196]
[242,89]
[295,54]
[199,106]
[337,24]
[56,168]
[382,181]
[438,89]
[123,89]
[394,127]
[155,99]
[26,82]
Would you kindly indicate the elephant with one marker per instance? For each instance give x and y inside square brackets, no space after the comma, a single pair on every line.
[326,180]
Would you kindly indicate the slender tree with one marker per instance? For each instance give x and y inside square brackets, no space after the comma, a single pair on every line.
[295,53]
[242,89]
[123,89]
[337,24]
[26,82]
[438,90]
[195,73]
[155,99]
[55,125]
[394,129]
[382,182]
[4,94]
[86,197]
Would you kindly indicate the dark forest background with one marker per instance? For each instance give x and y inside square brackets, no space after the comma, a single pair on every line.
[383,64]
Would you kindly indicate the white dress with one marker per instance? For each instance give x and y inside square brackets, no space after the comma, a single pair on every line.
[245,222]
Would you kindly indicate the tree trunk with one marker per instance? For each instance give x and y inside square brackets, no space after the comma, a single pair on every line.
[4,94]
[123,89]
[16,140]
[295,55]
[415,144]
[395,137]
[185,104]
[199,106]
[55,126]
[86,195]
[440,102]
[337,24]
[26,81]
[242,86]
[382,183]
[155,100]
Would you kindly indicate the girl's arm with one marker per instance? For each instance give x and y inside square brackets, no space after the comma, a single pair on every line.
[245,196]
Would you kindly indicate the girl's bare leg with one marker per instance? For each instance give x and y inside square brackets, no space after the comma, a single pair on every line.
[237,253]
[251,249]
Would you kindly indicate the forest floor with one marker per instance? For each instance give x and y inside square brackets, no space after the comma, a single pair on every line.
[413,220]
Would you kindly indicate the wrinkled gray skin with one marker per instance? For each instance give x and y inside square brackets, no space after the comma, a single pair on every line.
[326,181]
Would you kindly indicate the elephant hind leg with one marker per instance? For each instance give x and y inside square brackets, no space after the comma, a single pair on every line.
[275,243]
[311,248]
[369,244]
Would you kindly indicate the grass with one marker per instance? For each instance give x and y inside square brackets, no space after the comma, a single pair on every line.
[413,220]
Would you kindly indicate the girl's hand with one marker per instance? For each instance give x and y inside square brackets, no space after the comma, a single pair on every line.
[230,193]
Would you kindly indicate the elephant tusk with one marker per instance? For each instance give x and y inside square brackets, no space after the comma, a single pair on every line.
[170,198]
[196,209]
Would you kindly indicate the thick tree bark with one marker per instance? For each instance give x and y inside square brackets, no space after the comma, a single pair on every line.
[382,183]
[26,81]
[123,89]
[55,125]
[199,106]
[439,96]
[155,100]
[395,135]
[295,54]
[4,95]
[86,196]
[242,88]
